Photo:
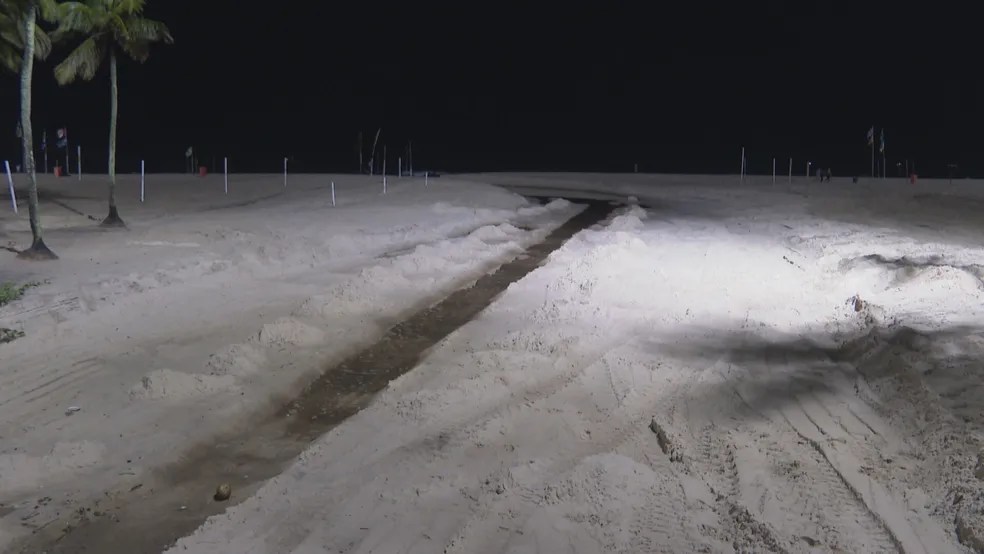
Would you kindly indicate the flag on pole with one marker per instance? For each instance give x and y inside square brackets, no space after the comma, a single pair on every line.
[881,147]
[63,137]
[44,140]
[871,136]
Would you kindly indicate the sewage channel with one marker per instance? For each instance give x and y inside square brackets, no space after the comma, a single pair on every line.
[177,499]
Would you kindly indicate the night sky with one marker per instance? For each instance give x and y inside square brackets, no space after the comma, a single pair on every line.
[494,86]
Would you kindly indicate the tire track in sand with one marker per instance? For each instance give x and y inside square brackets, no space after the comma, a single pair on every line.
[573,486]
[837,451]
[770,489]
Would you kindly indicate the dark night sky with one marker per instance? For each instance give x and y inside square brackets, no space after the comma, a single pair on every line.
[492,86]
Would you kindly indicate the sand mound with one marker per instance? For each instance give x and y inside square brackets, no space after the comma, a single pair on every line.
[629,220]
[885,272]
[237,359]
[290,331]
[167,384]
[495,233]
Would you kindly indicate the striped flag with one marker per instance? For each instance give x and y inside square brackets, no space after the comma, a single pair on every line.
[871,136]
[881,147]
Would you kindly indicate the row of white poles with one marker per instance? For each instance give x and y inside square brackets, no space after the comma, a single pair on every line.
[744,167]
[225,167]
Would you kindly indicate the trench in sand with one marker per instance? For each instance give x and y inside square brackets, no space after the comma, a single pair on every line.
[177,499]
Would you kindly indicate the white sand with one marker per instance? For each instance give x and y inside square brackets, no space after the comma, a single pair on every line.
[209,307]
[719,322]
[690,376]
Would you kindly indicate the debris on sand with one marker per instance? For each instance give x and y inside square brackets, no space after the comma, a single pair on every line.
[664,441]
[223,492]
[9,335]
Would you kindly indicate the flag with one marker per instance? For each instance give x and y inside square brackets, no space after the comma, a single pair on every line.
[44,140]
[871,136]
[881,147]
[62,137]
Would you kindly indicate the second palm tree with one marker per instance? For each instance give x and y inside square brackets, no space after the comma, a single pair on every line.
[108,27]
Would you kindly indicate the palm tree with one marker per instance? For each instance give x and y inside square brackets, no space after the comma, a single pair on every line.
[19,33]
[110,27]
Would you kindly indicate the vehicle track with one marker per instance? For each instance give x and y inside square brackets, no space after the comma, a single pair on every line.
[148,523]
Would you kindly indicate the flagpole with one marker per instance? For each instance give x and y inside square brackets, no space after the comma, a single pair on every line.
[45,141]
[742,179]
[882,147]
[872,144]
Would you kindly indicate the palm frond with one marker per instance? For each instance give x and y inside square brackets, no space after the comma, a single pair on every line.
[140,34]
[77,17]
[10,58]
[10,31]
[12,36]
[117,24]
[105,24]
[83,62]
[42,44]
[138,50]
[48,10]
[129,7]
[148,30]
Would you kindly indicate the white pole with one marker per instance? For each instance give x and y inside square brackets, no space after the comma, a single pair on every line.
[285,172]
[773,171]
[426,176]
[225,165]
[143,168]
[10,181]
[808,164]
[872,151]
[410,148]
[790,171]
[80,162]
[399,166]
[742,164]
[333,193]
[384,170]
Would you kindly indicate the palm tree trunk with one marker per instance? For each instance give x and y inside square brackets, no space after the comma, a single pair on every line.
[113,219]
[38,250]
